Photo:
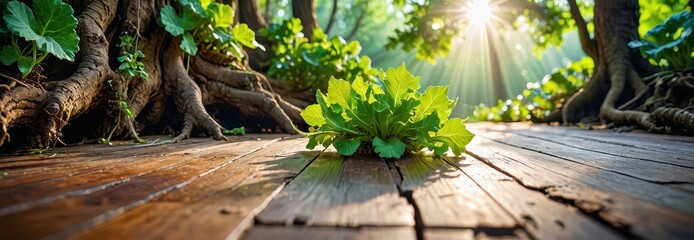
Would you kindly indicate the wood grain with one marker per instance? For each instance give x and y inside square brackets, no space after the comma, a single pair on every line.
[540,216]
[76,213]
[334,191]
[644,208]
[322,233]
[219,205]
[446,197]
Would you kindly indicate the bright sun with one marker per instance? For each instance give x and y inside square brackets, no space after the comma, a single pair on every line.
[479,11]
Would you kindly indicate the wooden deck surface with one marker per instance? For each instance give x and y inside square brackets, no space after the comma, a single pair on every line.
[518,181]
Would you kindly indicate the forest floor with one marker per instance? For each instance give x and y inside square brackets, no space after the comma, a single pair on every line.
[517,181]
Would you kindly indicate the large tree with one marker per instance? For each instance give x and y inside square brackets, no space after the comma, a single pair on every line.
[80,100]
[616,92]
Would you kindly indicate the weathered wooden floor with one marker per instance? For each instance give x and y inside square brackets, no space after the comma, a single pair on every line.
[518,182]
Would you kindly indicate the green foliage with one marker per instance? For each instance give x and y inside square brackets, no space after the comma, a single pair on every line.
[306,65]
[48,29]
[670,43]
[390,114]
[235,131]
[130,58]
[425,31]
[209,24]
[655,12]
[539,99]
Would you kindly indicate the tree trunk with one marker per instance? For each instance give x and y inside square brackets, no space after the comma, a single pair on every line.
[306,11]
[617,75]
[86,104]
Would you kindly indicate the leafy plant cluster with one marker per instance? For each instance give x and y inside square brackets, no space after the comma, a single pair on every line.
[130,58]
[47,28]
[390,114]
[306,65]
[670,44]
[539,99]
[209,24]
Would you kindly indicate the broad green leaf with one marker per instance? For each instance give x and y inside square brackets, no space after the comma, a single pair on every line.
[188,44]
[173,23]
[52,29]
[434,99]
[389,148]
[313,115]
[338,92]
[223,15]
[346,147]
[243,35]
[359,87]
[10,54]
[455,134]
[25,65]
[400,83]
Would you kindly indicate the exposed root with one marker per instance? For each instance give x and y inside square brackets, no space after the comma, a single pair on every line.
[674,117]
[187,95]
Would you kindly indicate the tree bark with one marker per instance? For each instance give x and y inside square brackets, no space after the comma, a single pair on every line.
[306,11]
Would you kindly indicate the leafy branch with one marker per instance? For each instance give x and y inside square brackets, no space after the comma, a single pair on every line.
[48,29]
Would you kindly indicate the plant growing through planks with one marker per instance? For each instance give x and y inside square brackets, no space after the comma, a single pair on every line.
[390,115]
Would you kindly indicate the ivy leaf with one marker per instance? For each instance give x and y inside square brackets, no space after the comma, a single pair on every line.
[455,135]
[188,44]
[313,115]
[243,35]
[173,23]
[52,29]
[222,14]
[346,147]
[390,148]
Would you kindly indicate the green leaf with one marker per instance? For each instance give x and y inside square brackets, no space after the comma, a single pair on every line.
[338,92]
[173,23]
[10,54]
[235,131]
[400,84]
[188,44]
[346,147]
[25,65]
[52,29]
[390,148]
[455,135]
[434,99]
[223,15]
[313,115]
[243,35]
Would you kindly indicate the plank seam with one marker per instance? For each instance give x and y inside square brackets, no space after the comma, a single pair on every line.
[116,212]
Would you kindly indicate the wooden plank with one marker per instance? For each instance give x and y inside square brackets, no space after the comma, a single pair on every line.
[646,170]
[447,198]
[540,216]
[642,208]
[334,191]
[76,213]
[321,233]
[219,205]
[469,234]
[80,180]
[43,169]
[677,158]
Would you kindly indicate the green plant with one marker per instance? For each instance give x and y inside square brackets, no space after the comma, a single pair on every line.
[208,24]
[306,65]
[235,131]
[123,106]
[47,29]
[389,114]
[539,99]
[130,58]
[670,43]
